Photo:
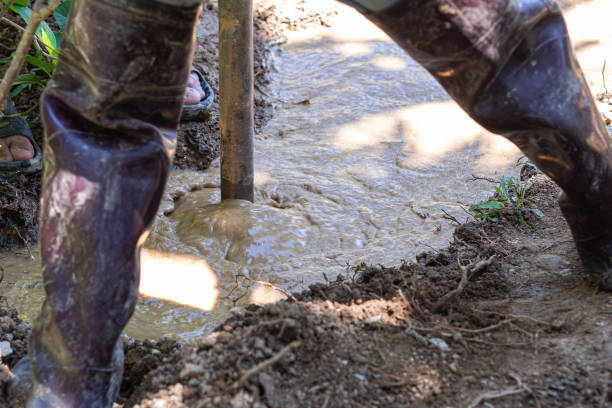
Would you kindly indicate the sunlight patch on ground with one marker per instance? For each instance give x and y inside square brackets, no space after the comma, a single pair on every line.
[263,295]
[429,130]
[390,63]
[352,49]
[591,33]
[261,178]
[181,279]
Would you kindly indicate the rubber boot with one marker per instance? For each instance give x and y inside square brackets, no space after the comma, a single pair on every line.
[110,115]
[510,65]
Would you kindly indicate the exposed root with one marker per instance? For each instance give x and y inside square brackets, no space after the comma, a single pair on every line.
[265,364]
[466,273]
[489,395]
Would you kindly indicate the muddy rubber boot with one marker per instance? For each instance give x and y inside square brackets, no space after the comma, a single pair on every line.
[510,65]
[110,116]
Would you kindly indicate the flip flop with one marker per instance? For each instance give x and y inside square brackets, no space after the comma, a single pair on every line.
[199,111]
[17,125]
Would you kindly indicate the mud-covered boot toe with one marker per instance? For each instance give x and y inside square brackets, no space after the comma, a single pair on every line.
[20,386]
[592,232]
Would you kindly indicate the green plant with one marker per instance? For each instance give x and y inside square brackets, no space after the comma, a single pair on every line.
[510,192]
[47,45]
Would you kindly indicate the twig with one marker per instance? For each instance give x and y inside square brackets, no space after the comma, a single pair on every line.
[489,395]
[490,180]
[37,41]
[450,217]
[231,290]
[516,317]
[25,243]
[6,8]
[24,112]
[261,90]
[484,329]
[604,391]
[490,343]
[39,13]
[410,329]
[270,285]
[265,364]
[12,23]
[603,76]
[493,243]
[466,273]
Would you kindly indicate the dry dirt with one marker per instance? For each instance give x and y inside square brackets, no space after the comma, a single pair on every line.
[525,327]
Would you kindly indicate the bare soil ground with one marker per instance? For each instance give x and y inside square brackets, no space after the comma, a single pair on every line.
[503,317]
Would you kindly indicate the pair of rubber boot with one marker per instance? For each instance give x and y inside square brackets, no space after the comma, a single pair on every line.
[111,112]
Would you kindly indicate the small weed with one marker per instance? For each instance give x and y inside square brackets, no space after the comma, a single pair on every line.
[509,193]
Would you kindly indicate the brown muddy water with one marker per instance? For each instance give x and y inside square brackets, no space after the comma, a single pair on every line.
[363,158]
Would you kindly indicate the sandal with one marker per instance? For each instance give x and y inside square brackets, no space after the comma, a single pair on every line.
[199,111]
[18,126]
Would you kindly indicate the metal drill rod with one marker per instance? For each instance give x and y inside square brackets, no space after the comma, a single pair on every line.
[236,98]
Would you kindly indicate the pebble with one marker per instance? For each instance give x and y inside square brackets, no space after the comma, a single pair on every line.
[439,343]
[373,319]
[5,349]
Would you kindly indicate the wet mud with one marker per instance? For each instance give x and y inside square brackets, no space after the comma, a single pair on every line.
[526,328]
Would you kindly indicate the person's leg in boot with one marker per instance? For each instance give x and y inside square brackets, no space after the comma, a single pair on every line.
[510,65]
[110,116]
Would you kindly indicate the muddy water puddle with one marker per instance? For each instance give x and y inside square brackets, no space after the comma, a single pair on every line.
[366,160]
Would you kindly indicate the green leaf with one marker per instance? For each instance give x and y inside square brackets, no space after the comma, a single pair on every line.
[24,12]
[47,36]
[61,13]
[503,195]
[18,89]
[487,205]
[521,219]
[40,63]
[3,124]
[44,32]
[6,60]
[17,3]
[28,79]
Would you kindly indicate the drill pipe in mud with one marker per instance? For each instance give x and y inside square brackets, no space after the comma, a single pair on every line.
[236,98]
